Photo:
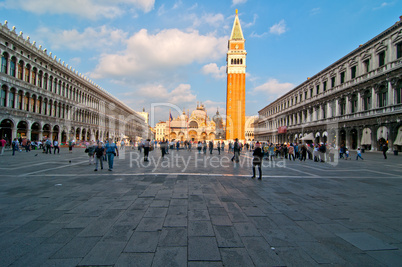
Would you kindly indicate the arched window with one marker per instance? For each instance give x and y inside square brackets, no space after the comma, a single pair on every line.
[19,101]
[51,83]
[238,61]
[12,66]
[382,97]
[45,81]
[231,61]
[20,69]
[40,76]
[3,97]
[34,72]
[241,61]
[4,63]
[27,73]
[11,97]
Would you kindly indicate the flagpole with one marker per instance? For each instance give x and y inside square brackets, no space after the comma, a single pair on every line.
[170,115]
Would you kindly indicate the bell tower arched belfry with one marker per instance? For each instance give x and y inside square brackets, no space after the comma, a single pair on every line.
[236,83]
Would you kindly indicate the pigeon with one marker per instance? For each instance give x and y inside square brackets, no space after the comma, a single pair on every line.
[36,155]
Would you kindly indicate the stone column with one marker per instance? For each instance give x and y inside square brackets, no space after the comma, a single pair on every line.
[40,135]
[329,110]
[337,107]
[359,102]
[390,93]
[373,98]
[29,132]
[14,132]
[314,114]
[347,104]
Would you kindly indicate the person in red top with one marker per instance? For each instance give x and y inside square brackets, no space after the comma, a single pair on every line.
[2,146]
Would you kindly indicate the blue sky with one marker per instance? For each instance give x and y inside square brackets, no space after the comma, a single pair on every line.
[174,51]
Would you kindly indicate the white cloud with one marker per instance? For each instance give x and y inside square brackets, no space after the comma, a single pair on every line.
[153,93]
[278,28]
[236,2]
[256,35]
[273,88]
[91,9]
[91,38]
[214,70]
[247,25]
[315,11]
[75,61]
[383,5]
[150,55]
[211,19]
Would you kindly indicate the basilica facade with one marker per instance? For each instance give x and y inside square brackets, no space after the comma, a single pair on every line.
[356,101]
[42,97]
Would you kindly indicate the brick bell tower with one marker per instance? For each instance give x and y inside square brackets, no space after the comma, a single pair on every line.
[236,83]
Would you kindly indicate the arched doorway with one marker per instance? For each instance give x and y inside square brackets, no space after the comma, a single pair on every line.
[56,130]
[382,136]
[353,139]
[204,136]
[22,129]
[35,130]
[46,131]
[342,137]
[6,129]
[63,136]
[211,136]
[173,136]
[193,136]
[317,138]
[84,134]
[324,137]
[89,135]
[97,135]
[77,134]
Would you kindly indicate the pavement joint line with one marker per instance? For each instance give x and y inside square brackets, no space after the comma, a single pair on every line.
[211,175]
[55,168]
[313,175]
[386,173]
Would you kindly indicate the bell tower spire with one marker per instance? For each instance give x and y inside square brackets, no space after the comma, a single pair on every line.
[236,83]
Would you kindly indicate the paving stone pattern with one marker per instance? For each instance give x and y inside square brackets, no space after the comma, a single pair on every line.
[185,210]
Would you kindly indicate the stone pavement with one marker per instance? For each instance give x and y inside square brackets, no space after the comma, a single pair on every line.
[196,210]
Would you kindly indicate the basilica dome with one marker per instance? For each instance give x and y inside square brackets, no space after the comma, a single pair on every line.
[199,113]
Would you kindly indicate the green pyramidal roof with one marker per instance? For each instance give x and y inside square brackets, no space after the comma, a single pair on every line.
[237,33]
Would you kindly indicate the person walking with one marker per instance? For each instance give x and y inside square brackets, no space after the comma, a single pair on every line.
[99,153]
[111,152]
[2,146]
[219,147]
[163,148]
[56,146]
[223,146]
[211,147]
[204,147]
[303,153]
[384,150]
[236,151]
[15,145]
[48,144]
[291,152]
[70,146]
[359,154]
[146,149]
[91,152]
[257,160]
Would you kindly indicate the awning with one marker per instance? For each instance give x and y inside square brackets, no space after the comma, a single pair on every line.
[382,132]
[317,134]
[398,140]
[324,134]
[309,137]
[366,137]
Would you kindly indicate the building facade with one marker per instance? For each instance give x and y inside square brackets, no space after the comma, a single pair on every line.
[42,97]
[236,83]
[197,126]
[356,101]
